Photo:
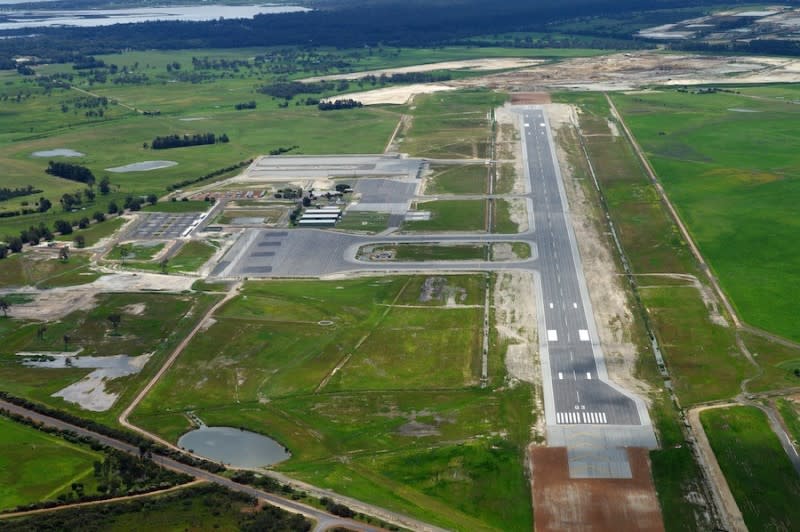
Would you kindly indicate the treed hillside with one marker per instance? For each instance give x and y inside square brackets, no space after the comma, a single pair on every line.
[342,24]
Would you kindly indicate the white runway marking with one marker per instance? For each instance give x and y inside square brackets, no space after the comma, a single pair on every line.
[551,305]
[574,418]
[574,305]
[552,335]
[560,376]
[589,375]
[583,334]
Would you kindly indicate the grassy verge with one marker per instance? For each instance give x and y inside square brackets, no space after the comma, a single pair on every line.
[368,222]
[450,215]
[766,490]
[138,251]
[461,179]
[791,416]
[43,268]
[427,252]
[35,466]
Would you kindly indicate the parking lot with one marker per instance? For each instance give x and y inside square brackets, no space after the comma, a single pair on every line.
[164,225]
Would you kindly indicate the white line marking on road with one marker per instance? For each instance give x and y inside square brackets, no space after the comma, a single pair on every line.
[560,376]
[603,417]
[589,375]
[551,305]
[584,417]
[583,334]
[552,335]
[527,124]
[579,395]
[574,305]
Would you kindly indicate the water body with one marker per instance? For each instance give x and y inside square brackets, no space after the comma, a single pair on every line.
[143,166]
[15,19]
[58,152]
[239,448]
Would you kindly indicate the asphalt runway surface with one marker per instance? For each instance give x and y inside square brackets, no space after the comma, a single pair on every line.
[579,394]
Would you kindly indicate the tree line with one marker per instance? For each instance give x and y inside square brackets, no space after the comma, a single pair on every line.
[73,172]
[9,193]
[178,141]
[339,104]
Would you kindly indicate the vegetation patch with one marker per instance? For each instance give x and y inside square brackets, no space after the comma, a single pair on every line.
[460,179]
[737,196]
[450,215]
[766,490]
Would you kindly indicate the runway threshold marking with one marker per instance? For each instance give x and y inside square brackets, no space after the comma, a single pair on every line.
[583,334]
[552,335]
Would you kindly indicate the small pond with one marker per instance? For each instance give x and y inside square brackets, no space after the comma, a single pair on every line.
[239,448]
[143,166]
[58,152]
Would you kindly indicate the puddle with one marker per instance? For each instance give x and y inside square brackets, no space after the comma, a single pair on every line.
[58,152]
[235,447]
[90,392]
[143,166]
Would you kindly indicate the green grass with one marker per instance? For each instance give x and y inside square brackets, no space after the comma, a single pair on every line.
[791,416]
[778,364]
[368,222]
[521,250]
[450,215]
[178,206]
[759,474]
[405,392]
[467,179]
[191,256]
[43,269]
[452,125]
[163,322]
[95,232]
[502,218]
[35,466]
[427,252]
[734,179]
[136,251]
[702,356]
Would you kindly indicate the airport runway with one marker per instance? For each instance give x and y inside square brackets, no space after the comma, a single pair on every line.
[579,393]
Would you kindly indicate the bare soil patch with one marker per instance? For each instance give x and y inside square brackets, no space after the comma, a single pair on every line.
[595,505]
[394,95]
[499,63]
[530,98]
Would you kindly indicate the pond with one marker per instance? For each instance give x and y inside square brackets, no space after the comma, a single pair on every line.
[235,447]
[144,166]
[58,152]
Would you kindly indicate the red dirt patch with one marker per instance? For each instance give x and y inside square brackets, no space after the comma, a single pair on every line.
[562,503]
[530,98]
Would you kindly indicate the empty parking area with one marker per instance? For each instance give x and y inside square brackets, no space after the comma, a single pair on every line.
[287,168]
[162,225]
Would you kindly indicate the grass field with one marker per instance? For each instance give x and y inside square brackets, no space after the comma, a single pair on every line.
[35,466]
[469,179]
[151,323]
[368,222]
[408,353]
[450,215]
[95,232]
[452,125]
[136,251]
[760,475]
[426,252]
[735,178]
[44,269]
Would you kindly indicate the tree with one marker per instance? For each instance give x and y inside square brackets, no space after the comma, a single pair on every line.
[3,250]
[112,208]
[152,199]
[80,241]
[114,319]
[66,339]
[306,201]
[44,204]
[124,252]
[40,331]
[99,216]
[15,244]
[89,194]
[104,186]
[5,304]
[63,227]
[63,253]
[83,223]
[164,264]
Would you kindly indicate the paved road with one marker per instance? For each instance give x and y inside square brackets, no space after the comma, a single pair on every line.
[580,396]
[324,520]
